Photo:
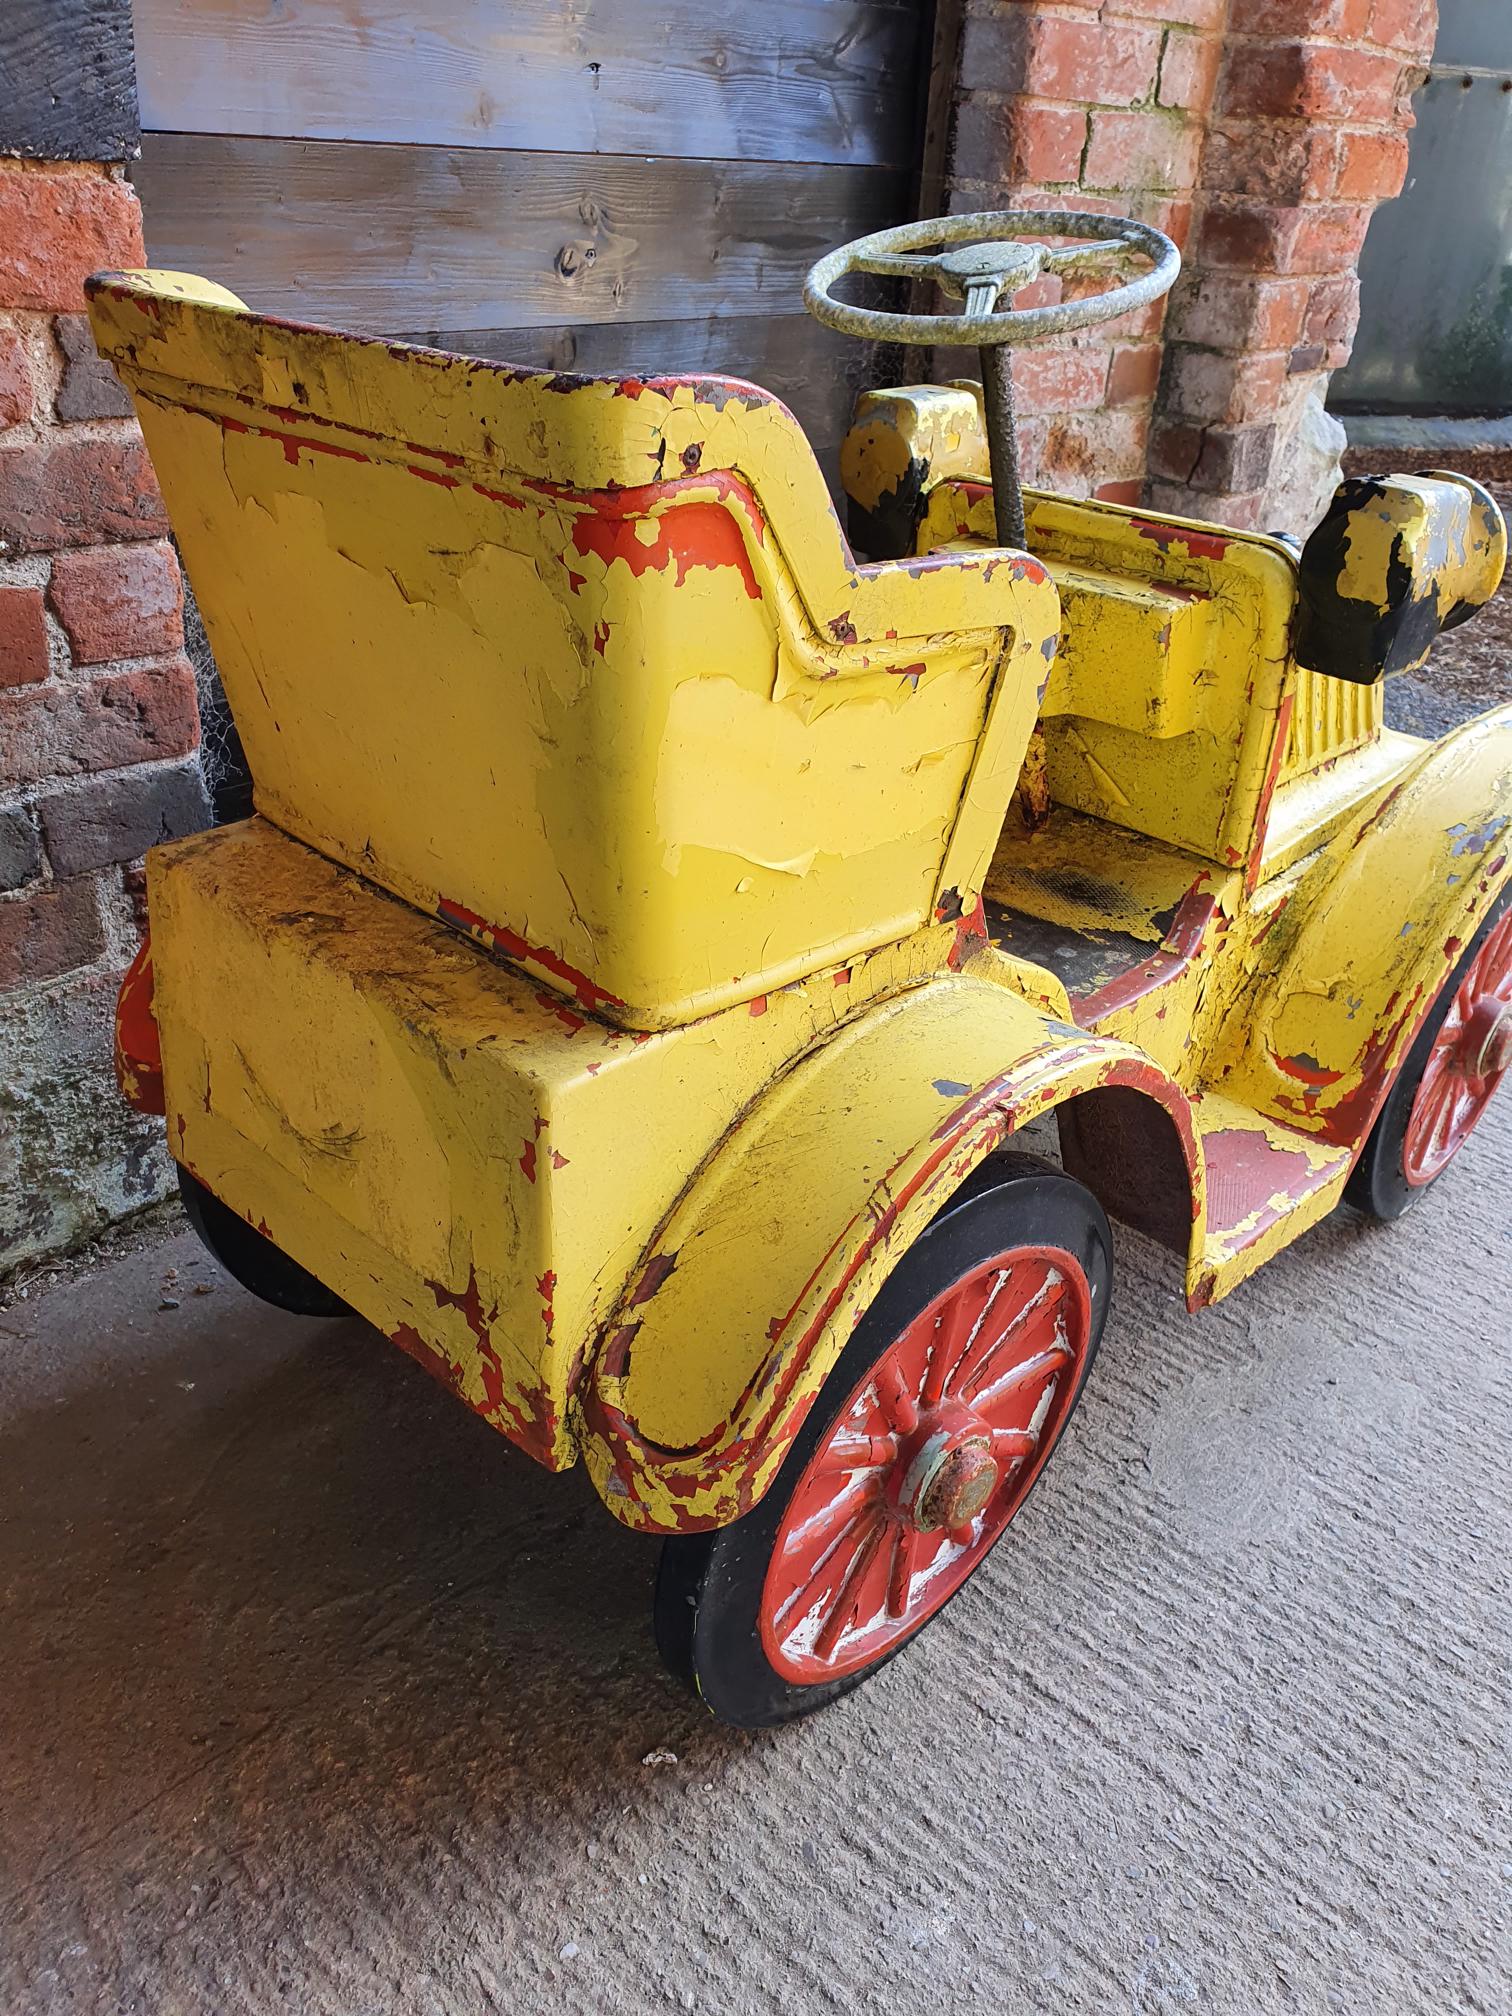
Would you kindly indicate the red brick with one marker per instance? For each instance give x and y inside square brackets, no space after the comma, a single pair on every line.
[1298,80]
[1331,316]
[1299,18]
[1187,13]
[1086,448]
[1059,381]
[58,226]
[1076,62]
[70,727]
[66,492]
[1202,385]
[1126,491]
[1252,237]
[1282,163]
[1047,142]
[1188,72]
[1141,150]
[15,380]
[1329,237]
[53,930]
[1174,448]
[90,389]
[119,815]
[1372,166]
[20,847]
[23,637]
[1133,374]
[1404,24]
[1238,312]
[119,602]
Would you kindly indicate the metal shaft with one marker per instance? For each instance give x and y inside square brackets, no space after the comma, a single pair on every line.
[1002,443]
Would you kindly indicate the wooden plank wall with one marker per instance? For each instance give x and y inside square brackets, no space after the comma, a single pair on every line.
[605,185]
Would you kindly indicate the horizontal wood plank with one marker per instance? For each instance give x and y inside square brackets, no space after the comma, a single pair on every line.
[67,86]
[804,80]
[389,238]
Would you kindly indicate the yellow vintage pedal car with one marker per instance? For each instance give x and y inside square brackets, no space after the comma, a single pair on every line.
[657,923]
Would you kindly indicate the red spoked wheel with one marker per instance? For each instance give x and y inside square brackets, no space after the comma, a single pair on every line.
[1460,1057]
[1470,1056]
[929,1434]
[925,1465]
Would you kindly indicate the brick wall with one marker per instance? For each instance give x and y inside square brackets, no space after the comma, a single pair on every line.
[98,726]
[1259,134]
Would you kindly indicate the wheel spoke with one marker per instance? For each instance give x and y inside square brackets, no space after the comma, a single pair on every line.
[1044,1302]
[900,1573]
[857,1452]
[1038,1366]
[849,1592]
[899,1405]
[832,1567]
[958,1324]
[1011,1445]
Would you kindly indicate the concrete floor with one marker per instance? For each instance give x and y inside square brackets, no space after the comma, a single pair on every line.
[318,1698]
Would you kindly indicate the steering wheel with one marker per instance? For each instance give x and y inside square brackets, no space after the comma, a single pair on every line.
[981,259]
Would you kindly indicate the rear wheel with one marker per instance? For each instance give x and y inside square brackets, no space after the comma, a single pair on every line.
[251,1258]
[929,1434]
[1462,1053]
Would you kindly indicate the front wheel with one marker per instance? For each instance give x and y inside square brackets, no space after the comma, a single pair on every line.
[1462,1053]
[929,1434]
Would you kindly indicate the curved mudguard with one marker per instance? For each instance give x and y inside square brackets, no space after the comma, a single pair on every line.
[731,1324]
[1376,924]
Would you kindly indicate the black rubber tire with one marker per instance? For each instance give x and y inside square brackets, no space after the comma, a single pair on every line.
[708,1585]
[1378,1183]
[251,1258]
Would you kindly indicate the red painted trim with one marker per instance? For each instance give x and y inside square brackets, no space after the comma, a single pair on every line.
[989,1110]
[138,1043]
[1183,943]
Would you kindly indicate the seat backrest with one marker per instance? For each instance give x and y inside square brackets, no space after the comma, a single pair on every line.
[584,665]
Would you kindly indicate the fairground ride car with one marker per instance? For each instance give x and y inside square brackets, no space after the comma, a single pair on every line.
[657,924]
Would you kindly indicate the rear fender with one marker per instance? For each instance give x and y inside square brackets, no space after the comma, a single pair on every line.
[746,1298]
[1376,926]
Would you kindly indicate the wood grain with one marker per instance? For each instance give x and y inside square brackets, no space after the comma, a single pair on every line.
[805,80]
[387,238]
[67,85]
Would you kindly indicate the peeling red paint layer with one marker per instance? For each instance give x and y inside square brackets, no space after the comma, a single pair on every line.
[499,938]
[138,1044]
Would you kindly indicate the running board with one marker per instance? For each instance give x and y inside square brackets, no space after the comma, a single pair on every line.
[1266,1184]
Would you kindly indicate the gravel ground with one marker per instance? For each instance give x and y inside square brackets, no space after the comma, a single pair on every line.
[320,1699]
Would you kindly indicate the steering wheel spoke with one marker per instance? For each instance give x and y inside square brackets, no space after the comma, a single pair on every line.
[897,265]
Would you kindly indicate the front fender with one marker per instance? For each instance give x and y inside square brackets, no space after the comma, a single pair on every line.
[1380,920]
[746,1298]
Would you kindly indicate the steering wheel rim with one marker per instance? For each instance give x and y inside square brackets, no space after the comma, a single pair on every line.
[896,252]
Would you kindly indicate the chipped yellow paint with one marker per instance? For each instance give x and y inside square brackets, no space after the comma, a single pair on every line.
[762,956]
[1394,561]
[665,742]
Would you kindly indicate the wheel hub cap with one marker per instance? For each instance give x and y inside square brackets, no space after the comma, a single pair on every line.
[954,1487]
[1488,1038]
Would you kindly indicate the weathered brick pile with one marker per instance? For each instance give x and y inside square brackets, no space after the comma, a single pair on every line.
[98,725]
[1260,134]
